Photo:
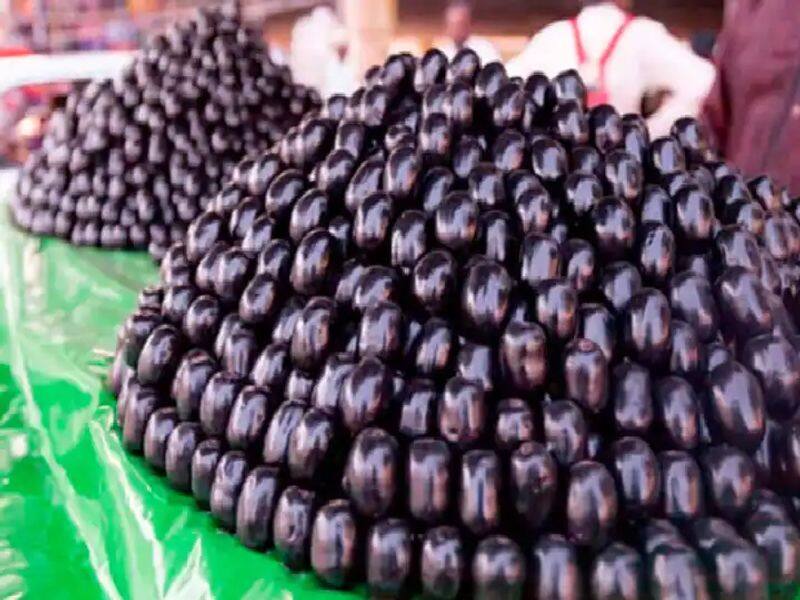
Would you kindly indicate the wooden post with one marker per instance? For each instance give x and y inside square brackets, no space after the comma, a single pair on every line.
[370,26]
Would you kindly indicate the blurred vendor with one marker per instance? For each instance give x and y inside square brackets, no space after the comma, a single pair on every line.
[621,57]
[458,28]
[753,111]
[339,75]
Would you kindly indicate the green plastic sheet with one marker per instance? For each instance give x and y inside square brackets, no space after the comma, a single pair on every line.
[80,518]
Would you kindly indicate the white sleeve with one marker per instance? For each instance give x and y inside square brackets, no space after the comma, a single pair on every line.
[487,51]
[669,64]
[529,60]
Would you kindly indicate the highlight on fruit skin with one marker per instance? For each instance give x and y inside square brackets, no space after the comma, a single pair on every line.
[443,339]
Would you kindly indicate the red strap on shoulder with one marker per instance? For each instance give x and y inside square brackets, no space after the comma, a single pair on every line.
[612,45]
[576,34]
[15,51]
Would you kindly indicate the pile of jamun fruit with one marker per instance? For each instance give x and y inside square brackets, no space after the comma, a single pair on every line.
[459,334]
[129,163]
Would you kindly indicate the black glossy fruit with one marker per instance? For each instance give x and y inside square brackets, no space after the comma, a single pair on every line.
[638,475]
[591,504]
[456,221]
[736,410]
[779,542]
[181,445]
[646,327]
[276,441]
[334,544]
[418,409]
[462,412]
[249,418]
[434,280]
[479,492]
[736,567]
[260,300]
[619,282]
[476,363]
[256,505]
[776,363]
[365,394]
[372,472]
[744,303]
[498,569]
[686,355]
[389,558]
[315,264]
[523,356]
[515,424]
[381,332]
[314,334]
[586,374]
[682,484]
[271,367]
[675,569]
[534,209]
[540,259]
[229,477]
[217,401]
[679,413]
[614,228]
[565,431]
[730,479]
[632,399]
[556,308]
[156,435]
[597,324]
[142,401]
[692,300]
[311,447]
[534,483]
[291,526]
[485,298]
[159,356]
[239,352]
[203,470]
[617,572]
[554,569]
[435,348]
[201,320]
[428,479]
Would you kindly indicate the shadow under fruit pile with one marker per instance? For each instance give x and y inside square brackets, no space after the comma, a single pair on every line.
[458,333]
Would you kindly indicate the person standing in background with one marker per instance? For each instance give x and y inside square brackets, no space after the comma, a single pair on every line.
[753,111]
[310,47]
[458,28]
[339,76]
[277,53]
[318,53]
[15,40]
[621,58]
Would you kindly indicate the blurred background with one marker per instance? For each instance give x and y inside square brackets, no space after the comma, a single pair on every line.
[328,43]
[57,26]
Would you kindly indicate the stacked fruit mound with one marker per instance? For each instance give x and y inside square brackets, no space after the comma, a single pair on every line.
[457,333]
[130,163]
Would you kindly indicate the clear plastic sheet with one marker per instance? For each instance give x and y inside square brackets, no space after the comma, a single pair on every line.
[80,518]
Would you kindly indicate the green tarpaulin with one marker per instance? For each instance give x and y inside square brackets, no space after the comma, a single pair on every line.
[80,518]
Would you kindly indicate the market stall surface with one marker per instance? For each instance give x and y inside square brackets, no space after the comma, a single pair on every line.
[79,517]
